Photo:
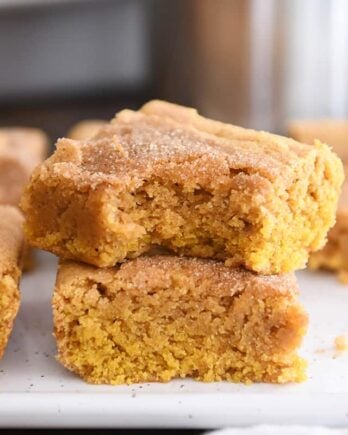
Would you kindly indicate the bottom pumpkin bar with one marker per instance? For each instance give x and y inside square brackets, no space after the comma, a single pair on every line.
[11,255]
[163,317]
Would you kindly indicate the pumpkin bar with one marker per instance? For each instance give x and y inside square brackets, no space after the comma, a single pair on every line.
[21,150]
[85,129]
[163,317]
[334,256]
[11,251]
[165,176]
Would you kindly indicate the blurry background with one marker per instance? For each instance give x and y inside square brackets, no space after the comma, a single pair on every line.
[256,63]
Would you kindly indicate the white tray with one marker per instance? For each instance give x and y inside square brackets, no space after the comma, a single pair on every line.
[35,391]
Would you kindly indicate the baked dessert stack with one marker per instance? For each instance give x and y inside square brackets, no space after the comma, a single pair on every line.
[235,210]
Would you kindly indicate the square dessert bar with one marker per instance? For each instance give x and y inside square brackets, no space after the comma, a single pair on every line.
[165,176]
[334,256]
[86,129]
[163,317]
[11,252]
[21,149]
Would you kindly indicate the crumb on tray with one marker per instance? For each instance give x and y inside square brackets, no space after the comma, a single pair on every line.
[341,343]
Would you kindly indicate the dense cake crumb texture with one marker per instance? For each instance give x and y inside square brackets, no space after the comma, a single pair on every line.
[158,318]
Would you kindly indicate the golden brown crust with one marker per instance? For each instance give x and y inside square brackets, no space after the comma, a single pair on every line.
[136,146]
[275,154]
[85,129]
[21,150]
[157,318]
[195,186]
[11,252]
[148,272]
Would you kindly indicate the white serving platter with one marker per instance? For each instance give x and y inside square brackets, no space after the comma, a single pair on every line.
[35,391]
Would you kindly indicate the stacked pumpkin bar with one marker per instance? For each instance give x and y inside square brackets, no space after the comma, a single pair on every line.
[334,255]
[178,236]
[21,149]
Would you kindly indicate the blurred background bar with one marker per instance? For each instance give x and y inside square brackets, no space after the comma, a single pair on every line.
[257,63]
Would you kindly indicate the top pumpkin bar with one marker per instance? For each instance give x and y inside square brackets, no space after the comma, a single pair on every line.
[165,176]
